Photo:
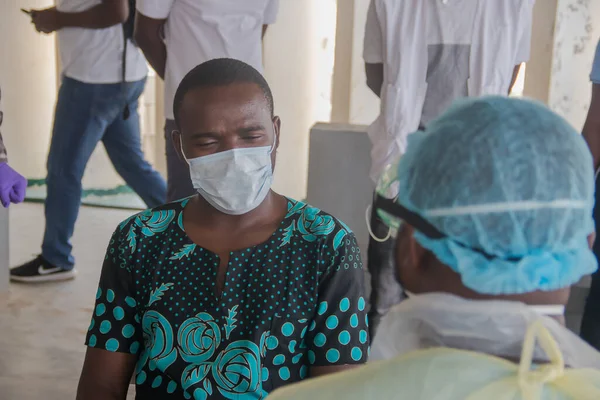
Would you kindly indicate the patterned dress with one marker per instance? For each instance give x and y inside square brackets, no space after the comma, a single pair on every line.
[290,303]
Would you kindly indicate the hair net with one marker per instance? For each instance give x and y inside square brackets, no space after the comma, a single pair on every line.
[447,374]
[510,185]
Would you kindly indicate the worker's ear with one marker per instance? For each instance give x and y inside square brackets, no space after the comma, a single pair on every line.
[592,239]
[409,257]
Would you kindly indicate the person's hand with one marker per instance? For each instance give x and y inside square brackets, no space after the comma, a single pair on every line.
[46,21]
[12,186]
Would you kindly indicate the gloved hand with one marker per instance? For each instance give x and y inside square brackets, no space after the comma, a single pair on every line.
[12,186]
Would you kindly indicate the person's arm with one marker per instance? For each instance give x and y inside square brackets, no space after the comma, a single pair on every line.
[104,15]
[148,36]
[264,31]
[114,338]
[105,375]
[374,74]
[373,48]
[591,129]
[337,337]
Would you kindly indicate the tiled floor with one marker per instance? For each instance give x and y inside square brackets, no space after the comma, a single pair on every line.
[42,327]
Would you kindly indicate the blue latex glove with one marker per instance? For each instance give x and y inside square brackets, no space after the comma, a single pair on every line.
[12,186]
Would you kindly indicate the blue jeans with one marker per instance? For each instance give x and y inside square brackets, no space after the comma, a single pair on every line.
[590,325]
[85,115]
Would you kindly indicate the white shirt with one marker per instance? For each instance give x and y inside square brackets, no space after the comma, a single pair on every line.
[197,31]
[96,55]
[434,51]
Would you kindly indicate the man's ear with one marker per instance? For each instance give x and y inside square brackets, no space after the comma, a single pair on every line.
[177,142]
[277,129]
[591,240]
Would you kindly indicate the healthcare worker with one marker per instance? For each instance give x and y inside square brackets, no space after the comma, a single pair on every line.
[420,56]
[449,374]
[495,204]
[496,199]
[12,184]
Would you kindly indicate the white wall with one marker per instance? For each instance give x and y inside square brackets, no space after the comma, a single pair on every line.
[28,82]
[298,58]
[576,35]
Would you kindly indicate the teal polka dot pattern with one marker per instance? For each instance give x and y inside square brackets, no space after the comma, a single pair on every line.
[363,337]
[284,373]
[320,340]
[119,313]
[361,304]
[344,338]
[332,322]
[141,378]
[286,304]
[100,310]
[171,387]
[344,304]
[105,327]
[292,346]
[134,348]
[279,359]
[332,355]
[287,329]
[157,382]
[272,343]
[356,354]
[322,308]
[112,345]
[128,331]
[130,301]
[303,372]
[354,321]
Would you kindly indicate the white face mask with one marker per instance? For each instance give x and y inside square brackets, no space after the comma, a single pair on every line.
[235,181]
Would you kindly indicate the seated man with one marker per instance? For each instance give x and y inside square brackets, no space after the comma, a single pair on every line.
[237,290]
[496,199]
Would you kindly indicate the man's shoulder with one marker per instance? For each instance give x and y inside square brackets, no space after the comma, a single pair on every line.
[155,220]
[314,224]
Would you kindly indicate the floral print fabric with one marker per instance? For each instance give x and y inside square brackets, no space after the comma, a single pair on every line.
[290,303]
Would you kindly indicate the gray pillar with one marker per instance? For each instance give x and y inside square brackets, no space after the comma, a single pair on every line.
[3,250]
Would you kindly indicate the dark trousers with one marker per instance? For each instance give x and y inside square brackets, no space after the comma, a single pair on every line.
[590,325]
[385,289]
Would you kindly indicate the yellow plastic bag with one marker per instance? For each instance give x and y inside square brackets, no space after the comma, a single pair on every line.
[448,374]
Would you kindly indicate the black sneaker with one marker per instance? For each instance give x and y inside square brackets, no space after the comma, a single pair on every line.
[40,270]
